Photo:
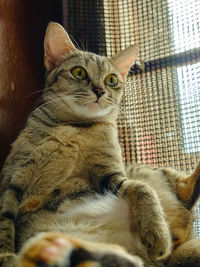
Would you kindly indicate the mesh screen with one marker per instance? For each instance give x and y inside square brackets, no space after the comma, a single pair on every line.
[159,122]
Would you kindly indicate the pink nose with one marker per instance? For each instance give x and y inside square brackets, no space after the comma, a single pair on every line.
[98,91]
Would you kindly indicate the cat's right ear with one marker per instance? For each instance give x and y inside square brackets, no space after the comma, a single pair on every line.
[125,59]
[56,44]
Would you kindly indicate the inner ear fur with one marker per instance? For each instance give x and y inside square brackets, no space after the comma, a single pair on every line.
[57,43]
[188,189]
[125,59]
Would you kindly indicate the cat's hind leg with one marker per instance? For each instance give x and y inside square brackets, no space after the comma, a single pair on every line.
[56,249]
[187,254]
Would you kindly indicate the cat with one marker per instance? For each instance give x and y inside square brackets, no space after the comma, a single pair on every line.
[66,199]
[68,159]
[178,193]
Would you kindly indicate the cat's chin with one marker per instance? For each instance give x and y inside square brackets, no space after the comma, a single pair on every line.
[95,109]
[92,110]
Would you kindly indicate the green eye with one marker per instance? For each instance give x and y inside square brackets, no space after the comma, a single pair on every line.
[79,73]
[111,80]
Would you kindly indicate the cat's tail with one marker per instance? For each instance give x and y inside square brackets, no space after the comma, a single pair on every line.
[186,255]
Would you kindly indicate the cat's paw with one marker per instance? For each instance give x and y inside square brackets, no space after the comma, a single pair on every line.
[46,249]
[148,218]
[157,240]
[60,250]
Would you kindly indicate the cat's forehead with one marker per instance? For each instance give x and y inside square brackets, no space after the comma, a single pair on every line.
[91,62]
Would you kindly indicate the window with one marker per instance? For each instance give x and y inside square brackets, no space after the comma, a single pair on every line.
[185,21]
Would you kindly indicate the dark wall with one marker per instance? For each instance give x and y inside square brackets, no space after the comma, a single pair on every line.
[22,29]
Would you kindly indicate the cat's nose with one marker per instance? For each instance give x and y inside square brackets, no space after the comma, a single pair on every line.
[98,91]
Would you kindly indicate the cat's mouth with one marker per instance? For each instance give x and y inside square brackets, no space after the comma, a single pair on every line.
[95,106]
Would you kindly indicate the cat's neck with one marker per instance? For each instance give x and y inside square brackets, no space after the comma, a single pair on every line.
[49,119]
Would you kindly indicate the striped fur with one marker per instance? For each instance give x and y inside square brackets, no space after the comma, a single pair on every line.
[65,173]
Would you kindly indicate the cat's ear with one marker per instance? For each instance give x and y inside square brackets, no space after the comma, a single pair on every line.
[189,189]
[56,44]
[125,59]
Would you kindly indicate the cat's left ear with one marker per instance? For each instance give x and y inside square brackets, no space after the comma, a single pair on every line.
[125,59]
[56,44]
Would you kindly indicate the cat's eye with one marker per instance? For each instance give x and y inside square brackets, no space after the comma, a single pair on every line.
[111,80]
[79,73]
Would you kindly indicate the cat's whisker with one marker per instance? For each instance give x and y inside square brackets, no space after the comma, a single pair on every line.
[52,101]
[118,105]
[75,42]
[80,93]
[84,46]
[38,102]
[81,96]
[121,110]
[36,92]
[112,102]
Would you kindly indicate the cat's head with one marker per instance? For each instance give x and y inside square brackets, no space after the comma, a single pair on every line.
[83,84]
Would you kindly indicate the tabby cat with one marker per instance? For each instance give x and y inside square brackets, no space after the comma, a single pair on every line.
[66,199]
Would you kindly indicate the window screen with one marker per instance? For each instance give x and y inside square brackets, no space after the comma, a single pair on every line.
[159,122]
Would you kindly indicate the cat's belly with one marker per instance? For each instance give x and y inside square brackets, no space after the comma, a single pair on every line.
[103,219]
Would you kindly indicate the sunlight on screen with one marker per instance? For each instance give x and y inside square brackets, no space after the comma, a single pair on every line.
[186,36]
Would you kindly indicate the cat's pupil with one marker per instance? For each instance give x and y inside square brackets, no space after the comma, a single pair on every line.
[79,73]
[111,80]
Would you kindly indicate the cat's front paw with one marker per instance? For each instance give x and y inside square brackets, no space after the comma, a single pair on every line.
[60,250]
